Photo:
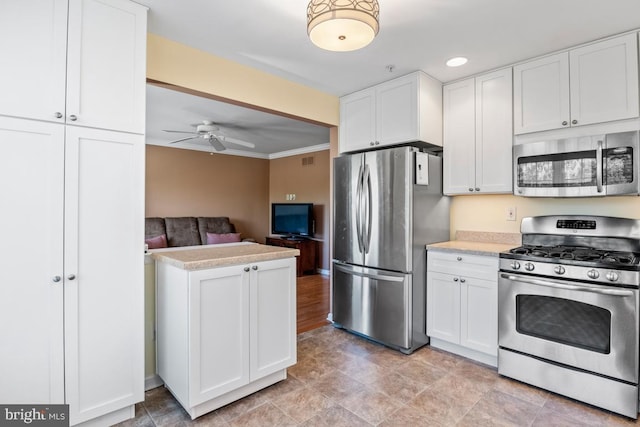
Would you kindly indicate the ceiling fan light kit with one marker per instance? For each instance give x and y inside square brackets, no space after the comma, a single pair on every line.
[342,25]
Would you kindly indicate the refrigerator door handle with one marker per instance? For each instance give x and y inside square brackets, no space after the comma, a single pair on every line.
[359,210]
[367,217]
[357,272]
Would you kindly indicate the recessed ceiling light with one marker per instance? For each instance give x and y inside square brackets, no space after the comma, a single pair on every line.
[457,61]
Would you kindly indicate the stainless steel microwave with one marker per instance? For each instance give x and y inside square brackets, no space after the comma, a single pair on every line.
[600,165]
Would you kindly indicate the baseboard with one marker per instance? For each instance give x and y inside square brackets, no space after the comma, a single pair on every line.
[154,381]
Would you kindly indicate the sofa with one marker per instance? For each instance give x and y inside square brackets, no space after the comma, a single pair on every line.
[188,231]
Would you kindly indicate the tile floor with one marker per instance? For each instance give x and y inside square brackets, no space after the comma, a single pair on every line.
[344,380]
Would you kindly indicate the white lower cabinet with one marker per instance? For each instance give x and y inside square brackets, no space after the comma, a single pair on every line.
[226,332]
[72,299]
[462,304]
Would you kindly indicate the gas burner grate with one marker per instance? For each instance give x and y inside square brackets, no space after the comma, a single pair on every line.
[577,253]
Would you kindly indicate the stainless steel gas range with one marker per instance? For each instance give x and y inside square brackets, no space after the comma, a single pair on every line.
[569,310]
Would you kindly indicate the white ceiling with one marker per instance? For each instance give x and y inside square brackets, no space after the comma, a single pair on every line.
[273,136]
[414,35]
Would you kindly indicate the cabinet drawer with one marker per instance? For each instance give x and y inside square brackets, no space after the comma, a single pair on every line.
[463,264]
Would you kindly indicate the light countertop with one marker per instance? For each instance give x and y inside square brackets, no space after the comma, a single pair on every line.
[199,258]
[475,248]
[479,242]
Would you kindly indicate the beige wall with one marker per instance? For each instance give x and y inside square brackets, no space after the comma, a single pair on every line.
[310,184]
[487,213]
[196,183]
[177,64]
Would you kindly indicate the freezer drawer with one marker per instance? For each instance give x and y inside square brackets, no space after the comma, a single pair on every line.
[374,303]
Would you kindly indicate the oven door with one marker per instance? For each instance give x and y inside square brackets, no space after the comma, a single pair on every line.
[586,326]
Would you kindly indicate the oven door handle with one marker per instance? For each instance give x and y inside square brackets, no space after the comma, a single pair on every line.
[557,285]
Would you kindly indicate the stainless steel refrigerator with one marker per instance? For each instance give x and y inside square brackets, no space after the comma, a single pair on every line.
[388,205]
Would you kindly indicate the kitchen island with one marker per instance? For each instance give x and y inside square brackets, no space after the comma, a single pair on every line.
[226,321]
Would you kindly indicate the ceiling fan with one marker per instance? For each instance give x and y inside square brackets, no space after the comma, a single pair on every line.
[210,132]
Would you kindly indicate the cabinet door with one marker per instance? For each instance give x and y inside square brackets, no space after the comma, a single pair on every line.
[541,94]
[104,277]
[33,43]
[106,65]
[31,304]
[479,315]
[604,81]
[273,317]
[218,332]
[459,137]
[494,132]
[397,111]
[443,307]
[357,121]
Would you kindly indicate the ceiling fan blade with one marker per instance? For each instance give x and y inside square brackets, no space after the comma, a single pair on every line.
[179,131]
[183,139]
[239,142]
[215,143]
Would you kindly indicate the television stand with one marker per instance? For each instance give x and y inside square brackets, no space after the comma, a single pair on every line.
[307,262]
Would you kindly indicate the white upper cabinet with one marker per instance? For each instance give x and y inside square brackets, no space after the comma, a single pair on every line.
[604,81]
[459,111]
[541,94]
[402,110]
[478,134]
[591,84]
[79,62]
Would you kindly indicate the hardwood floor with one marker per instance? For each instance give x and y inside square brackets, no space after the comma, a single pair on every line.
[313,302]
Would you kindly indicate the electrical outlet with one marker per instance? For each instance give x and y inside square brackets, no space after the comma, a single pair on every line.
[511,214]
[293,197]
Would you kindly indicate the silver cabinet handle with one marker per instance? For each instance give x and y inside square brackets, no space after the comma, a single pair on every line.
[459,258]
[246,269]
[73,118]
[574,122]
[71,277]
[372,143]
[565,123]
[58,115]
[470,189]
[477,188]
[56,278]
[255,267]
[455,279]
[462,280]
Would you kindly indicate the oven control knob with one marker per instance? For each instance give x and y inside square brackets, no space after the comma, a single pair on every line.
[592,274]
[559,269]
[529,267]
[612,276]
[515,265]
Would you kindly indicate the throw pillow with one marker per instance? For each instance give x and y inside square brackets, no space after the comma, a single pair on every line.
[213,238]
[157,242]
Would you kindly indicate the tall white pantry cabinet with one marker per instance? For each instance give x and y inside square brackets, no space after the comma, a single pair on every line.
[72,189]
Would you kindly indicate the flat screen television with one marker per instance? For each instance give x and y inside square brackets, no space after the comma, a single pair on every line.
[292,220]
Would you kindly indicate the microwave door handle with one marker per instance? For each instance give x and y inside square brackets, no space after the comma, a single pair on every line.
[582,288]
[599,167]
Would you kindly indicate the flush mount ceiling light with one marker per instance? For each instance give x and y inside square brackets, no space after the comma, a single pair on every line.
[342,25]
[457,61]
